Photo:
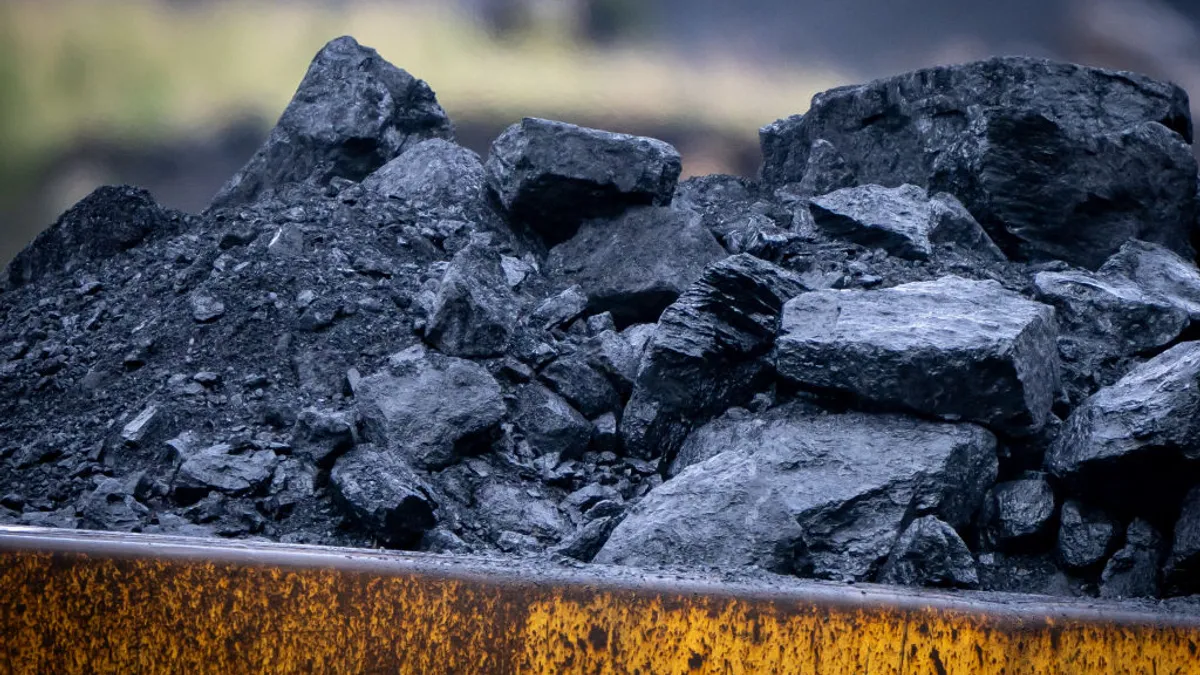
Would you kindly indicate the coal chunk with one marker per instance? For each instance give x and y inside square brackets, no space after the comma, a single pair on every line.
[437,177]
[586,388]
[560,310]
[430,409]
[113,506]
[952,347]
[1132,572]
[1019,513]
[352,113]
[790,490]
[322,435]
[930,553]
[549,423]
[589,539]
[1133,439]
[107,222]
[380,490]
[904,221]
[636,264]
[475,312]
[1054,160]
[1159,271]
[552,175]
[707,354]
[1086,536]
[1117,316]
[1182,570]
[218,467]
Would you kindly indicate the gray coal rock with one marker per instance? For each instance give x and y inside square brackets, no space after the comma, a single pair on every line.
[379,490]
[1181,573]
[352,113]
[549,423]
[430,409]
[1054,160]
[551,175]
[322,435]
[707,354]
[1086,536]
[1114,315]
[952,348]
[475,312]
[636,264]
[219,468]
[1133,441]
[1019,514]
[583,386]
[904,221]
[790,490]
[1133,571]
[930,553]
[1159,271]
[437,177]
[113,506]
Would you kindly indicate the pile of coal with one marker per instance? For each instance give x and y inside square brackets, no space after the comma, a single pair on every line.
[949,336]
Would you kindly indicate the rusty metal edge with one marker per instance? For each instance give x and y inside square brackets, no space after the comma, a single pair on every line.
[515,572]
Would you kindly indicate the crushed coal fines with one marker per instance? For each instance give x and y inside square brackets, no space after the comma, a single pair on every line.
[973,364]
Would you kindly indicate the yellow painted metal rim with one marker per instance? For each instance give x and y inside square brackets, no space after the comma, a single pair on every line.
[77,602]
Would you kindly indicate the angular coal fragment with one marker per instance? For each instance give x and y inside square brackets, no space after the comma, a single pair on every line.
[582,385]
[1160,271]
[352,113]
[110,220]
[550,424]
[1182,572]
[218,468]
[1086,536]
[1018,513]
[553,175]
[1116,316]
[378,489]
[475,312]
[112,506]
[438,178]
[430,409]
[635,264]
[1132,441]
[952,348]
[1054,160]
[930,553]
[322,435]
[789,490]
[904,221]
[707,353]
[1132,572]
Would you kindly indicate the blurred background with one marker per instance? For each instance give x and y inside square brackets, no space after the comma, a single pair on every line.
[175,95]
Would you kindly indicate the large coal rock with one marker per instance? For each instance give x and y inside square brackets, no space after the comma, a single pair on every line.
[552,175]
[1134,441]
[1158,270]
[1054,160]
[790,490]
[951,348]
[904,221]
[430,409]
[475,311]
[1018,513]
[219,468]
[930,553]
[110,220]
[707,353]
[636,264]
[379,490]
[352,113]
[1113,315]
[436,176]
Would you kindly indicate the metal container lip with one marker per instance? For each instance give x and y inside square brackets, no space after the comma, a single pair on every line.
[516,572]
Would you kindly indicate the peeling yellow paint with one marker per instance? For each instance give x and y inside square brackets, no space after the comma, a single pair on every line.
[134,609]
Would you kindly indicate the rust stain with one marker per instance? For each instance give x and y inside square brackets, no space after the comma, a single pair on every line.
[72,609]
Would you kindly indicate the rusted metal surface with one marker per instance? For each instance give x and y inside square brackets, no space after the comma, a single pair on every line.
[97,602]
